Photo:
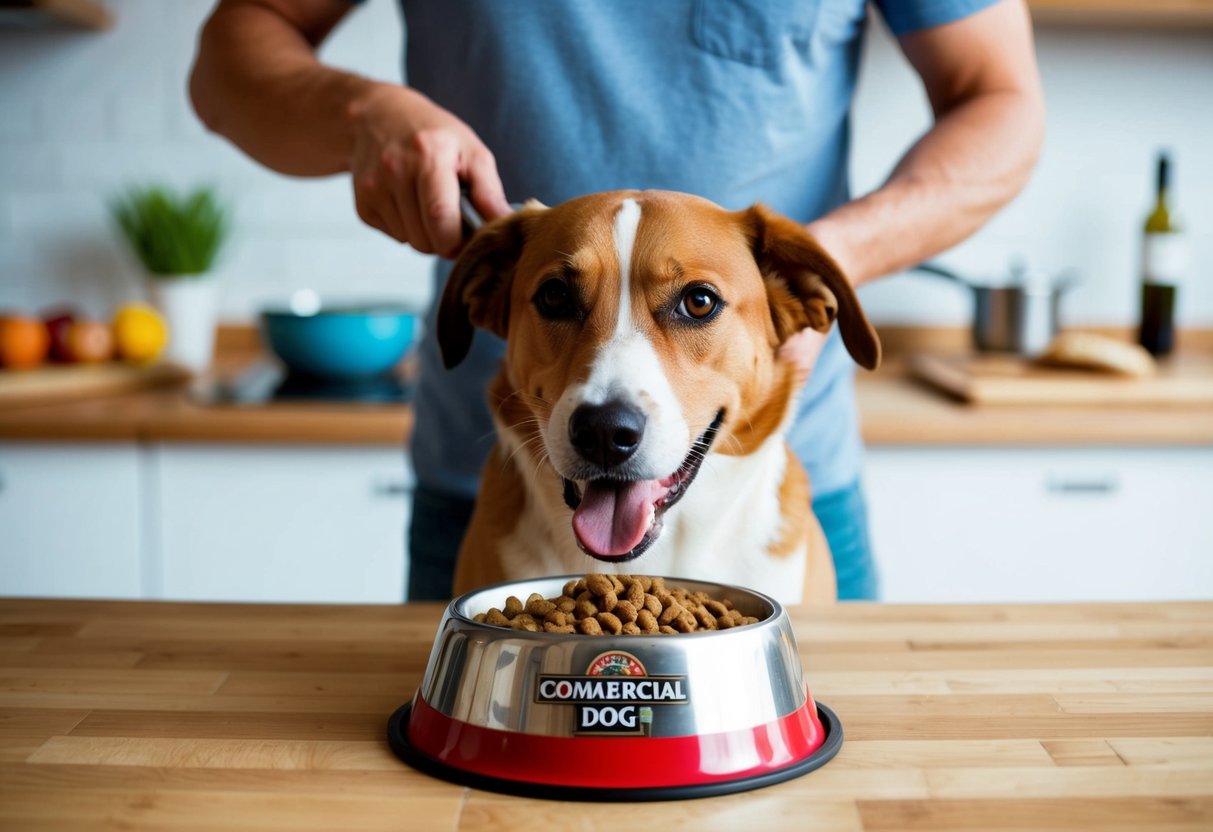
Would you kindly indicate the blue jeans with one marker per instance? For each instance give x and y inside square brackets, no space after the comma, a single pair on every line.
[439,521]
[844,519]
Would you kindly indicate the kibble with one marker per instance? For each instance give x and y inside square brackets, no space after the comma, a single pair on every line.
[600,604]
[625,611]
[609,623]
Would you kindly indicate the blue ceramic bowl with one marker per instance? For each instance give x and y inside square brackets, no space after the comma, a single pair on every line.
[340,342]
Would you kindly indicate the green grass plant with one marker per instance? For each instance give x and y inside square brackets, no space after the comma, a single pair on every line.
[172,234]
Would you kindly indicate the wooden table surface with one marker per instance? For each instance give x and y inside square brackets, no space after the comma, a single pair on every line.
[140,715]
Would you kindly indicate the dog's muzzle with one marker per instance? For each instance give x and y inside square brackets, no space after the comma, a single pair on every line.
[616,519]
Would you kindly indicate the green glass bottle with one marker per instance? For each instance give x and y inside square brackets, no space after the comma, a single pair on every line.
[1163,263]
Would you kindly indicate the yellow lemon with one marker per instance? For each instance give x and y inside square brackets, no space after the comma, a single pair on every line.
[139,332]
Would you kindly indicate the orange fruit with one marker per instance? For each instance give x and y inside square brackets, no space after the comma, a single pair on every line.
[24,342]
[140,334]
[90,342]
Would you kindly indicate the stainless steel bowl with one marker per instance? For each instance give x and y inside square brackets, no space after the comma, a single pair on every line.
[660,716]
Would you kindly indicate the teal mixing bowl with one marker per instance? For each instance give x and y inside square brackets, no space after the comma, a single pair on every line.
[340,342]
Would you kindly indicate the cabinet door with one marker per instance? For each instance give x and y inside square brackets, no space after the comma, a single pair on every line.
[1035,524]
[282,523]
[70,520]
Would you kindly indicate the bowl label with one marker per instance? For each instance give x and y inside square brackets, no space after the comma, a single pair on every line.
[615,663]
[615,697]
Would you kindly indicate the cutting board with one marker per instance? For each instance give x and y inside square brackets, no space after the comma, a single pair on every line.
[19,388]
[1010,380]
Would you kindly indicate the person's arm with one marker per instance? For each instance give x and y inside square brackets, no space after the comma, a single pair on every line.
[981,78]
[256,81]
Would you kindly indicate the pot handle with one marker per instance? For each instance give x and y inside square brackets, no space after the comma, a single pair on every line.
[940,271]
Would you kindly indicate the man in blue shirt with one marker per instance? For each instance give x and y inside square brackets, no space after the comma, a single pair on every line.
[738,101]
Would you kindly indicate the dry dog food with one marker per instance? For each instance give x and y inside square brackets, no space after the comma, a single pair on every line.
[602,605]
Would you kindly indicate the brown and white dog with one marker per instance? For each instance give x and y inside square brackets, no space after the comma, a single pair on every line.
[642,404]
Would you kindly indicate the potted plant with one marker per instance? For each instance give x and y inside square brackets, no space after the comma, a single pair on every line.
[177,238]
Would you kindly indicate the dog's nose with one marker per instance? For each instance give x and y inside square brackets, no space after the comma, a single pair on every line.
[607,434]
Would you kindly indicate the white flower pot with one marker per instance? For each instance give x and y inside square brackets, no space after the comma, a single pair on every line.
[189,306]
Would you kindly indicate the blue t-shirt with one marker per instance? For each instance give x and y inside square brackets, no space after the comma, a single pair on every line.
[738,101]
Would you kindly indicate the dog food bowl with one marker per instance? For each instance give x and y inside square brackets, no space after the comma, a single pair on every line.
[614,718]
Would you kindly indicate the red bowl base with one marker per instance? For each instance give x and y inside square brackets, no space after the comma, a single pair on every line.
[675,768]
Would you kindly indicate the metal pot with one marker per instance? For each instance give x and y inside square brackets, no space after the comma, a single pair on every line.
[1019,316]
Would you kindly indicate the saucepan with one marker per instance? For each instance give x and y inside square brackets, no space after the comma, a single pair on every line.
[1018,314]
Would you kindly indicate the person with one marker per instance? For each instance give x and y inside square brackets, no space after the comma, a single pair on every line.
[738,101]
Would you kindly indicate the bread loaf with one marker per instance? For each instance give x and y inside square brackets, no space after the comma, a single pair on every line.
[1088,351]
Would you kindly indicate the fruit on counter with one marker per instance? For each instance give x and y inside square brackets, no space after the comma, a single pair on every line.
[57,323]
[140,334]
[89,342]
[24,342]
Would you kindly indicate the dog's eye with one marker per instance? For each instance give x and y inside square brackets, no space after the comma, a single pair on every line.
[554,300]
[699,303]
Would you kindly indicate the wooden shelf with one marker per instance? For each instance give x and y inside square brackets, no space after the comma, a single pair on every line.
[1152,14]
[83,14]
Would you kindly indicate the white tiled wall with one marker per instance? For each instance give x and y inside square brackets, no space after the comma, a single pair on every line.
[1114,97]
[82,114]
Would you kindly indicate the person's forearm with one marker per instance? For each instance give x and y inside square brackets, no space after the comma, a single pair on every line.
[972,162]
[257,82]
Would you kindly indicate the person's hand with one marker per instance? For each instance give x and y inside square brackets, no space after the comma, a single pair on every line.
[801,351]
[409,159]
[803,348]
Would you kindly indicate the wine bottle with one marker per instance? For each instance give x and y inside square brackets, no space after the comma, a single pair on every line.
[1163,263]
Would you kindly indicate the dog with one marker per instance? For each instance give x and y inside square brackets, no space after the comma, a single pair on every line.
[642,403]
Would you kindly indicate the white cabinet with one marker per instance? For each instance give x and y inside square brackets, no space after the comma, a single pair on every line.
[70,520]
[1038,524]
[327,523]
[281,523]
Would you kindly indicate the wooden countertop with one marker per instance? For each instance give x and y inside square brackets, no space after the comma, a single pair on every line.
[141,715]
[171,414]
[899,410]
[894,408]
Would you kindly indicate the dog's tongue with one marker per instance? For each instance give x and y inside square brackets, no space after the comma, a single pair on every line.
[614,516]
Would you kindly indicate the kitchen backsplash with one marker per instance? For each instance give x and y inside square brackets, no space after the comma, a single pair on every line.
[82,114]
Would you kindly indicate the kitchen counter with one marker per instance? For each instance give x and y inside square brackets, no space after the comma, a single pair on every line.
[140,715]
[895,410]
[170,414]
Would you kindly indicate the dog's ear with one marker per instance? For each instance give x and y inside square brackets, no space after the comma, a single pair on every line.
[805,287]
[477,293]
